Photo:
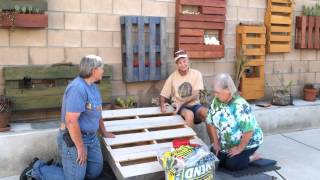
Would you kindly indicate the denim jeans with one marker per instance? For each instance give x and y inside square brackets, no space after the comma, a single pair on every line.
[70,169]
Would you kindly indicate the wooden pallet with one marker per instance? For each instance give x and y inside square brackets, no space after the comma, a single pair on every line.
[307,32]
[141,134]
[191,28]
[144,48]
[42,87]
[278,20]
[251,42]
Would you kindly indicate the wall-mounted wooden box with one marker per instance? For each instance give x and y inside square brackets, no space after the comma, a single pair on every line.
[307,32]
[200,27]
[144,48]
[278,20]
[42,87]
[251,44]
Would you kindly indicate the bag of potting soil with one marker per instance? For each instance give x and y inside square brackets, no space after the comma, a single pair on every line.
[188,162]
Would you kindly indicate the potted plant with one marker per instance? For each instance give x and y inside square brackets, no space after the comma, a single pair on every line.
[123,103]
[5,113]
[23,16]
[281,96]
[309,92]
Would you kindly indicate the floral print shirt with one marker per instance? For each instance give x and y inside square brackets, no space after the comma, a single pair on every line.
[232,120]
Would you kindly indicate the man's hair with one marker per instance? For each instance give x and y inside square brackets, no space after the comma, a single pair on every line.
[88,64]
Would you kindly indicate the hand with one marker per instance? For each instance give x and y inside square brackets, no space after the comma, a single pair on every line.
[163,108]
[177,107]
[108,135]
[216,148]
[82,156]
[235,151]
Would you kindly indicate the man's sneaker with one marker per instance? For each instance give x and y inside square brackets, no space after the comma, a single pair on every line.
[26,173]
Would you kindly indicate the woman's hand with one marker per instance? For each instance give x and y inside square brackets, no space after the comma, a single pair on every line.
[216,148]
[235,151]
[82,156]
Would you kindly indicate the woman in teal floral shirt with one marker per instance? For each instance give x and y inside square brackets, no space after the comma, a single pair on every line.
[234,130]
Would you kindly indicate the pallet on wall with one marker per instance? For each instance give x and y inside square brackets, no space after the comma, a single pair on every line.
[278,20]
[42,87]
[192,28]
[250,42]
[307,32]
[144,48]
[141,134]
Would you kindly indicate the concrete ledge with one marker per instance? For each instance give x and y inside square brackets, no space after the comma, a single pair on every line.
[26,140]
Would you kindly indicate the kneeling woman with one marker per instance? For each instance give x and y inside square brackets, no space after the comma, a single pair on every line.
[233,128]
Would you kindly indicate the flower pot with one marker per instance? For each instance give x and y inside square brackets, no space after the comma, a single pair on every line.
[4,121]
[310,94]
[25,20]
[281,98]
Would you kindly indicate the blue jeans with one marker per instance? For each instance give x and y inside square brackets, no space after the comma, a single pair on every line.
[70,169]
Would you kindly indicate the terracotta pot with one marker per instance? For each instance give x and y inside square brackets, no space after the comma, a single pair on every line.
[310,94]
[4,121]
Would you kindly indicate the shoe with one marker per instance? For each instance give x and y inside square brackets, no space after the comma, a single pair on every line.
[26,173]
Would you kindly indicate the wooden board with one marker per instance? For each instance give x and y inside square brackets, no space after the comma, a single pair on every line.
[141,134]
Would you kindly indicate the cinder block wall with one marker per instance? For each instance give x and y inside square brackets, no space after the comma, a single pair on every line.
[80,27]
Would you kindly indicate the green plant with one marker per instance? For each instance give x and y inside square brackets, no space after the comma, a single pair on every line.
[130,102]
[5,104]
[240,67]
[311,10]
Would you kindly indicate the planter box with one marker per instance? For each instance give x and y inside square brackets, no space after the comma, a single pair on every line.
[24,20]
[307,32]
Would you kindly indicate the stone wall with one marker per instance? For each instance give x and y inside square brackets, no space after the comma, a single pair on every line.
[80,27]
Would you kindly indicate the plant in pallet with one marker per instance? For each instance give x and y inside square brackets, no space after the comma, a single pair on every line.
[5,112]
[240,67]
[282,95]
[311,10]
[130,102]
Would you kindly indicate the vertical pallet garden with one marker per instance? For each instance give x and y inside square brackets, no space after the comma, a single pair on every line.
[307,32]
[251,44]
[42,87]
[278,20]
[144,50]
[200,27]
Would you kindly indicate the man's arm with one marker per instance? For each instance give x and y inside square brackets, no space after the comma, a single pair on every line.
[163,104]
[103,131]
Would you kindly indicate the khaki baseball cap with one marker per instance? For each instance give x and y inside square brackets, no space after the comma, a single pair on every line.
[180,54]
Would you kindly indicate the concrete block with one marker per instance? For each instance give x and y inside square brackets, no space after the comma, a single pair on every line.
[61,38]
[268,67]
[207,69]
[172,10]
[154,8]
[18,149]
[314,66]
[230,27]
[291,77]
[116,71]
[118,88]
[81,21]
[22,37]
[261,14]
[310,55]
[116,40]
[229,54]
[64,5]
[55,20]
[110,55]
[294,55]
[109,23]
[96,39]
[232,14]
[233,3]
[257,3]
[317,78]
[74,55]
[227,67]
[96,6]
[305,78]
[138,88]
[282,67]
[125,7]
[39,56]
[247,14]
[229,41]
[14,56]
[300,66]
[171,40]
[4,37]
[274,57]
[170,25]
[272,80]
